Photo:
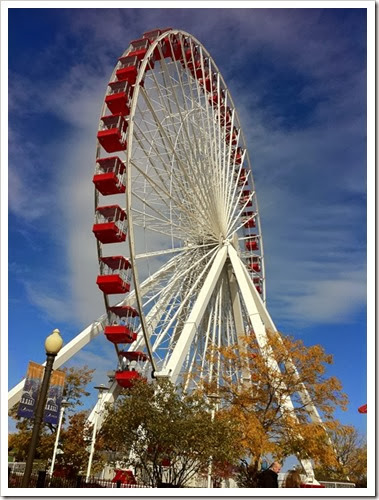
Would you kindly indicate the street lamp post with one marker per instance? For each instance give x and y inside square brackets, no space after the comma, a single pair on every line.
[64,403]
[101,388]
[53,344]
[215,397]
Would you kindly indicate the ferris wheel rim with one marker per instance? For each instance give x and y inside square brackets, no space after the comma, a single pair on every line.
[130,137]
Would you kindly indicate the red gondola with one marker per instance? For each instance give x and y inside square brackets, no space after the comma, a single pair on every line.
[120,334]
[127,378]
[119,97]
[124,477]
[311,485]
[237,156]
[110,224]
[246,198]
[110,176]
[169,46]
[254,264]
[225,117]
[128,70]
[208,83]
[249,219]
[124,311]
[134,355]
[154,34]
[115,275]
[232,137]
[139,48]
[242,177]
[122,331]
[214,99]
[258,284]
[112,134]
[251,244]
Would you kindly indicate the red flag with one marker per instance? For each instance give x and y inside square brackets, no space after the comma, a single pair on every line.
[363,409]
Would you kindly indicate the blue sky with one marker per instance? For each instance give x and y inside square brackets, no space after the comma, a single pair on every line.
[298,80]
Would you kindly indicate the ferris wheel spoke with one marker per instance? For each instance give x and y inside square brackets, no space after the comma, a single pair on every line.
[171,250]
[233,208]
[183,266]
[196,129]
[186,293]
[160,189]
[163,219]
[235,186]
[205,173]
[233,178]
[180,107]
[188,140]
[190,366]
[164,196]
[180,164]
[180,350]
[166,293]
[167,338]
[161,170]
[206,125]
[153,317]
[239,212]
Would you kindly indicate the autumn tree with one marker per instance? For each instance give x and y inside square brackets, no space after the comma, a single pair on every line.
[156,428]
[74,390]
[267,427]
[75,441]
[351,451]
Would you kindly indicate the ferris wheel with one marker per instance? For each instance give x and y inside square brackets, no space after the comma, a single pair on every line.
[172,157]
[177,225]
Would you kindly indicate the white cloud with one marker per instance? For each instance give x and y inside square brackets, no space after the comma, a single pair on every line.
[296,171]
[337,300]
[48,300]
[101,355]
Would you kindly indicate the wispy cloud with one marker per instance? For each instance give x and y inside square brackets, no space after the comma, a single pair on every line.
[336,300]
[49,301]
[307,174]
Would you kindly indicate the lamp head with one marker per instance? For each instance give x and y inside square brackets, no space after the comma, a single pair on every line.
[101,388]
[54,342]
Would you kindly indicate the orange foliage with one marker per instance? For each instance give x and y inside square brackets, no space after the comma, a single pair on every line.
[267,426]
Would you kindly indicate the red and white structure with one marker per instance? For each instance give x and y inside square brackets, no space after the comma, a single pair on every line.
[181,260]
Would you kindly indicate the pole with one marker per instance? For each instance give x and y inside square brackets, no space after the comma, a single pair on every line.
[215,397]
[38,419]
[93,440]
[63,407]
[101,389]
[209,484]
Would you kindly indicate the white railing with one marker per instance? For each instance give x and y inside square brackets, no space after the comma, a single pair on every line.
[337,484]
[16,467]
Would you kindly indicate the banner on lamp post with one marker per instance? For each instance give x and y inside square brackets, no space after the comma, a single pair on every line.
[29,397]
[30,393]
[54,398]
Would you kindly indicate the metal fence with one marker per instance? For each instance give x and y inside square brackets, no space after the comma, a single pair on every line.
[337,484]
[43,480]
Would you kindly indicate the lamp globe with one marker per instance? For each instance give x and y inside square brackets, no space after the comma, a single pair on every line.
[53,342]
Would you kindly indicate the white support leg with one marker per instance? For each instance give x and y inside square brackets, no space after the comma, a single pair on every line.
[269,325]
[183,344]
[238,319]
[250,294]
[108,397]
[88,334]
[81,340]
